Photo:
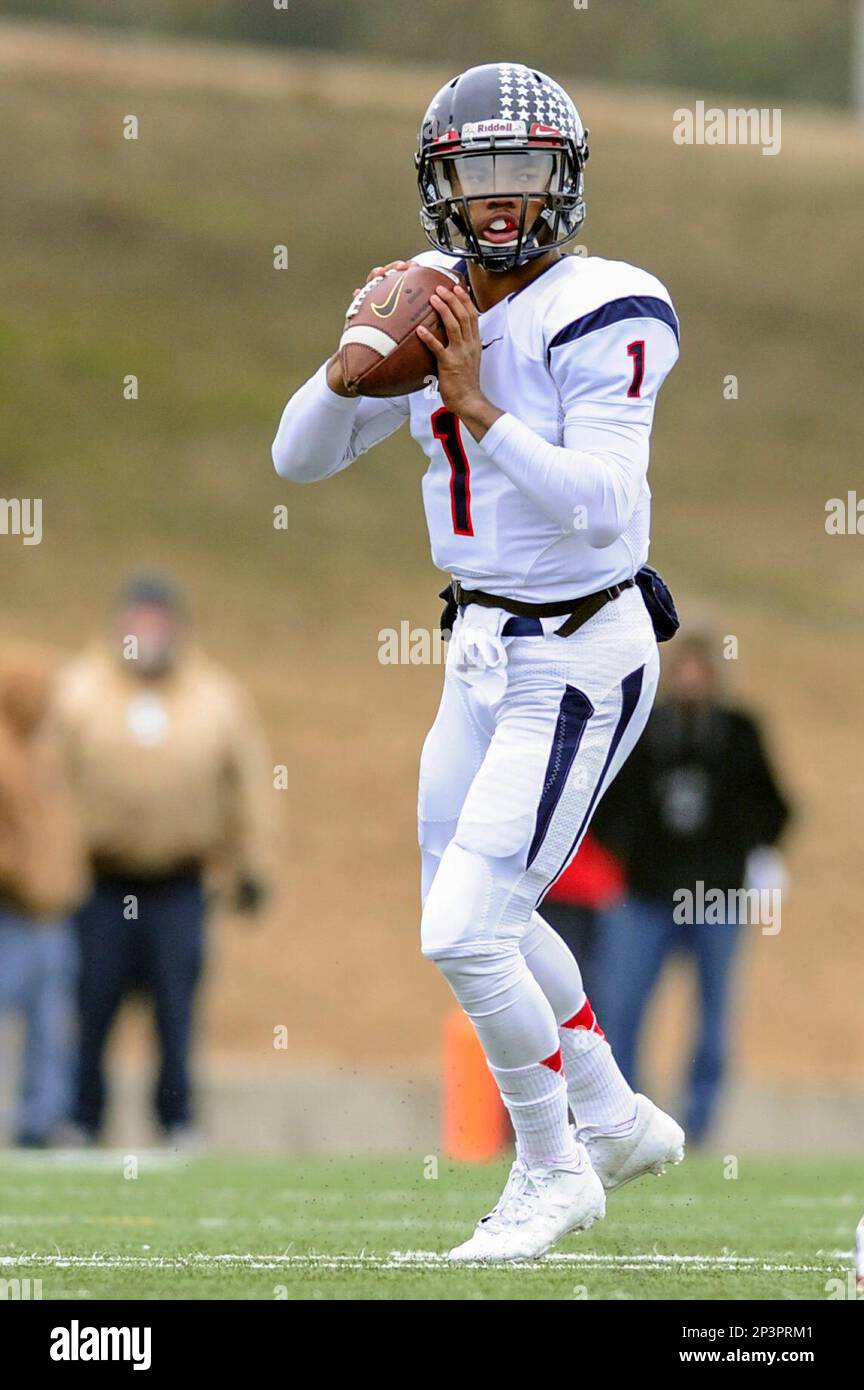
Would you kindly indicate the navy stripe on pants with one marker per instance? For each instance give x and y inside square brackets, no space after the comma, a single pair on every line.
[631,689]
[576,709]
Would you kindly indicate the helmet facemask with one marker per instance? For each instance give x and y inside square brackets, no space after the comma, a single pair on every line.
[539,189]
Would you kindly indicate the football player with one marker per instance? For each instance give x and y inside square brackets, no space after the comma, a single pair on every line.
[538,508]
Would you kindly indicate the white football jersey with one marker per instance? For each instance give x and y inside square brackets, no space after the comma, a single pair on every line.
[578,355]
[554,503]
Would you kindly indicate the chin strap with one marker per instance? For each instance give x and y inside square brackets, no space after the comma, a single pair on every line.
[508,261]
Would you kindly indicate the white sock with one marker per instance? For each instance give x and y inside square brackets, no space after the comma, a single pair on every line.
[599,1095]
[519,1034]
[536,1098]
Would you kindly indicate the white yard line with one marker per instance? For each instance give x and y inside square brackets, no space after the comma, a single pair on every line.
[408,1259]
[94,1160]
[331,1223]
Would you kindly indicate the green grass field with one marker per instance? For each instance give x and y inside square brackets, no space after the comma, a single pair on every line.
[238,1228]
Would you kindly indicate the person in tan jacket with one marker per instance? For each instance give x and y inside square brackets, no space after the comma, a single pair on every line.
[42,880]
[170,770]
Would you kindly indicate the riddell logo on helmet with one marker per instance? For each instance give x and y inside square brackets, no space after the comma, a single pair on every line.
[474,130]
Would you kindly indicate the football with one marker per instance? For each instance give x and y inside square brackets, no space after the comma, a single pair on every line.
[379,351]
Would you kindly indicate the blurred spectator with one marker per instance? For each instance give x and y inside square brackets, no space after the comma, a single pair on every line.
[42,879]
[694,803]
[170,770]
[593,880]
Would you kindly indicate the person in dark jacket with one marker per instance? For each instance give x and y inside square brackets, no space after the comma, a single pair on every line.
[693,817]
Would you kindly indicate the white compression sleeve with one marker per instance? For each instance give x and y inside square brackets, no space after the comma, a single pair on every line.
[605,481]
[320,433]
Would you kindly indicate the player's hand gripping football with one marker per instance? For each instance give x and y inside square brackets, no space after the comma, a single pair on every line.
[335,379]
[383,270]
[459,360]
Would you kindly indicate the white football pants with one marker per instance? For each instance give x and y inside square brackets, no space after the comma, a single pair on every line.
[530,732]
[508,788]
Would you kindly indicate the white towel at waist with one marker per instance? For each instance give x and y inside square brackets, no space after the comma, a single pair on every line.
[478,654]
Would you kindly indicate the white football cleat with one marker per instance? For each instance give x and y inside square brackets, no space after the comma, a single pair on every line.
[537,1207]
[655,1140]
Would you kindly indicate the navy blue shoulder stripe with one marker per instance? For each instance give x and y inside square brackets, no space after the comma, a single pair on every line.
[630,307]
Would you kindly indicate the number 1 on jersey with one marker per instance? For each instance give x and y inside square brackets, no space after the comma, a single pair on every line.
[446,427]
[636,350]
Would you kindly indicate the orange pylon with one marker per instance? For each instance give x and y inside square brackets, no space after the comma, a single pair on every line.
[476,1126]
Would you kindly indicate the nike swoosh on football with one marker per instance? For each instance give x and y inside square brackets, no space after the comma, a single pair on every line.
[388,307]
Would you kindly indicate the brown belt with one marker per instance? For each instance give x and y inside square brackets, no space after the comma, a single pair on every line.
[579,609]
[104,866]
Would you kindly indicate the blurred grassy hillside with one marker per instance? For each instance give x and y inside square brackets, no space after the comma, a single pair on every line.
[155,257]
[774,50]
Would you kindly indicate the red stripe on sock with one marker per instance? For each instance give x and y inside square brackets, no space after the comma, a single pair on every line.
[554,1063]
[586,1018]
